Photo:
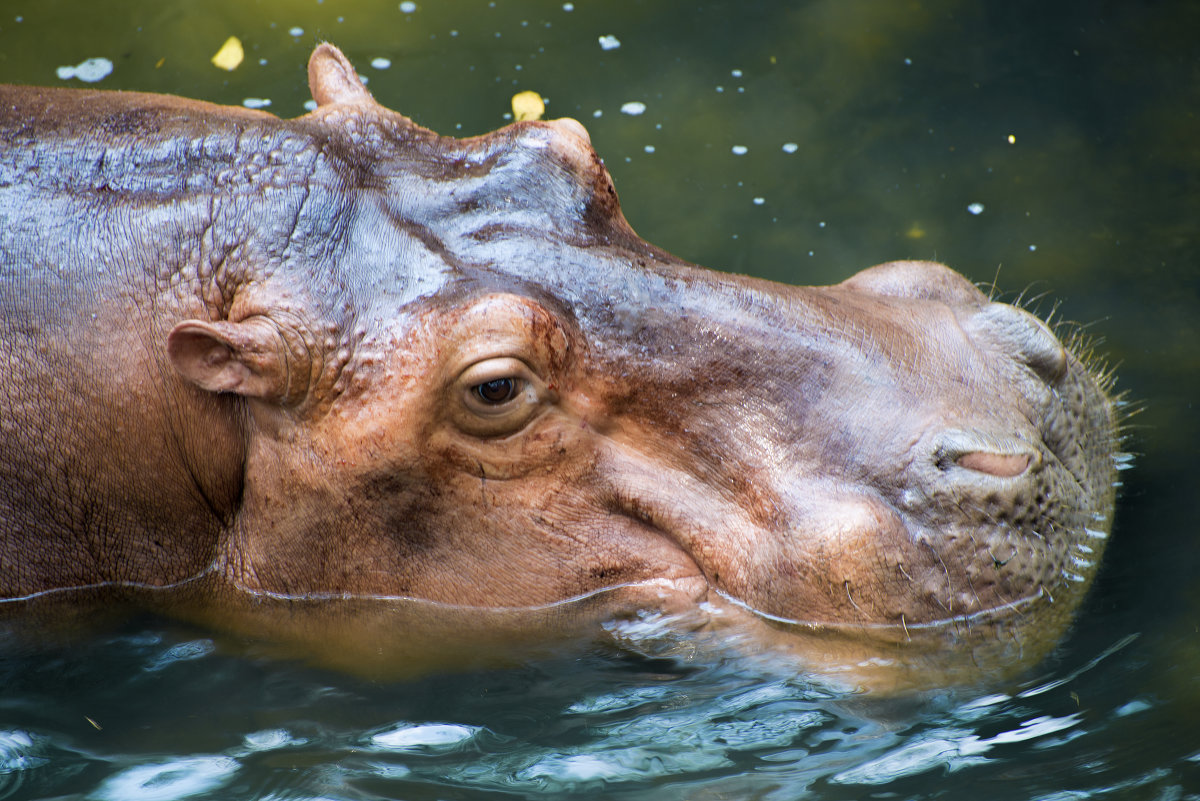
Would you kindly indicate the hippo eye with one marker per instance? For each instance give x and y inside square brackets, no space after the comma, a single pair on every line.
[496,391]
[498,396]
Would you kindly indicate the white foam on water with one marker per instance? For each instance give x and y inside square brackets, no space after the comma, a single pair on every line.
[89,71]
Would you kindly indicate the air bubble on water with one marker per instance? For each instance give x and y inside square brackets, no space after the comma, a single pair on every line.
[183,652]
[1032,247]
[296,31]
[568,6]
[633,108]
[408,6]
[597,113]
[381,63]
[736,73]
[758,201]
[975,208]
[739,150]
[89,71]
[649,148]
[790,147]
[310,105]
[256,102]
[609,42]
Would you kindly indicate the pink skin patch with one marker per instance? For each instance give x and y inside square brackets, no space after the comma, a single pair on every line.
[1001,465]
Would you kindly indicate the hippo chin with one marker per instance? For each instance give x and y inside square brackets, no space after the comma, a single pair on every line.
[256,366]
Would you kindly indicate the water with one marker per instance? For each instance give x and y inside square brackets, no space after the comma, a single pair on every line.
[871,131]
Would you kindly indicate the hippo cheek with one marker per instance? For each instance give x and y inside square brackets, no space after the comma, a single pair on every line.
[844,558]
[852,559]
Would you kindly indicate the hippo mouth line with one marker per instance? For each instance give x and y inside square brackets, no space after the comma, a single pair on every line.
[971,618]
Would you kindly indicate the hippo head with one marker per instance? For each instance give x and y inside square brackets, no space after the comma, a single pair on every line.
[469,382]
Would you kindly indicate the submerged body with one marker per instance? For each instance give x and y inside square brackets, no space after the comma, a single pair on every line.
[257,366]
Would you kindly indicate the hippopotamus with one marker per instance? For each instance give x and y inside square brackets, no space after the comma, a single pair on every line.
[256,366]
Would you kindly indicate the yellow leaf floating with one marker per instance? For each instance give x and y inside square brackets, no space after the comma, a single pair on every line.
[230,54]
[527,106]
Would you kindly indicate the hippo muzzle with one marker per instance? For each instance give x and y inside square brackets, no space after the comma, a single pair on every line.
[342,357]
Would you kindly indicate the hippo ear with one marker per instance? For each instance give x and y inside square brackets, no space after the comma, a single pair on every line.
[247,358]
[333,79]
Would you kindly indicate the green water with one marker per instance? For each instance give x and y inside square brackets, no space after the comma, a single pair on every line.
[1074,125]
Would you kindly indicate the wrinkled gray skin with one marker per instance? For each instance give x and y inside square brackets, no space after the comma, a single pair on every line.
[341,357]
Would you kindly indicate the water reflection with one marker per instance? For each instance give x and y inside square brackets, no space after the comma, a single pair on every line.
[602,725]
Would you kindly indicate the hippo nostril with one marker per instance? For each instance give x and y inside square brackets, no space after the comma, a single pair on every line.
[1022,336]
[1001,465]
[990,453]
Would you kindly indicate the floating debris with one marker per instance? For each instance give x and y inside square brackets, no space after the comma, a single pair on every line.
[528,106]
[88,71]
[230,55]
